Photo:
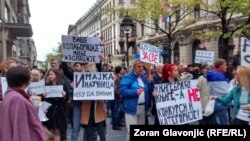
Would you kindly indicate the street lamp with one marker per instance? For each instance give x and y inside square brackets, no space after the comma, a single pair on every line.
[127,25]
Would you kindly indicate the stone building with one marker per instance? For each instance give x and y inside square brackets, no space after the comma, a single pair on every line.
[16,32]
[183,46]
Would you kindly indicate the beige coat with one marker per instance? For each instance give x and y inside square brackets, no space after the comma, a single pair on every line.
[100,112]
[203,86]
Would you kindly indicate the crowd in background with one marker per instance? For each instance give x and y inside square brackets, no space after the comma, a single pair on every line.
[133,97]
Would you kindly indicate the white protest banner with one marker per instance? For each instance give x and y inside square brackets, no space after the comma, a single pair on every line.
[245,52]
[204,57]
[178,103]
[4,85]
[37,87]
[93,86]
[80,49]
[54,91]
[149,53]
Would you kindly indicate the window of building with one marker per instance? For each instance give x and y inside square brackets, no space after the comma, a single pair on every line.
[6,13]
[134,49]
[197,11]
[142,30]
[176,52]
[195,47]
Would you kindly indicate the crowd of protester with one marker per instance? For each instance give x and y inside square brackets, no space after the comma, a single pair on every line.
[133,98]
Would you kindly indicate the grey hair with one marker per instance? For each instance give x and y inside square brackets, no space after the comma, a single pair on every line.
[35,72]
[136,62]
[159,65]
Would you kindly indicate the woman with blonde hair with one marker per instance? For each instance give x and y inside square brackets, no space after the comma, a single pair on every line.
[240,95]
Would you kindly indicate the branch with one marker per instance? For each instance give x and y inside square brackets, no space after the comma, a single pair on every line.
[241,26]
[179,19]
[144,23]
[185,15]
[162,30]
[151,27]
[210,12]
[177,31]
[230,17]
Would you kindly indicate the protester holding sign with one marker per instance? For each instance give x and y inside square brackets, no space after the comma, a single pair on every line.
[32,89]
[69,73]
[240,95]
[136,91]
[177,102]
[35,76]
[157,77]
[169,74]
[93,114]
[56,113]
[77,104]
[19,119]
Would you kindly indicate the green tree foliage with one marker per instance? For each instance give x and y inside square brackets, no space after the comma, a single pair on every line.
[149,13]
[56,53]
[227,12]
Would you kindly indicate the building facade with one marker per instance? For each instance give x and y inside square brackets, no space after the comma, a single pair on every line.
[16,32]
[183,46]
[114,37]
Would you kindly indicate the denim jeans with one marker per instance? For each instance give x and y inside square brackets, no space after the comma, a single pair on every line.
[116,119]
[92,128]
[77,110]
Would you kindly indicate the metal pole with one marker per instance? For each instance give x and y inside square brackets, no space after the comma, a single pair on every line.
[127,50]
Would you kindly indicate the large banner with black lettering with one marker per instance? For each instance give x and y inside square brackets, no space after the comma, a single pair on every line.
[178,103]
[93,86]
[81,49]
[245,52]
[149,53]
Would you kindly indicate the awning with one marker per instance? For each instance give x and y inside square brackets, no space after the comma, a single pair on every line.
[19,30]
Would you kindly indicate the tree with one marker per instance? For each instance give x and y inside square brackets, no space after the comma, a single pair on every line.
[149,13]
[56,53]
[234,16]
